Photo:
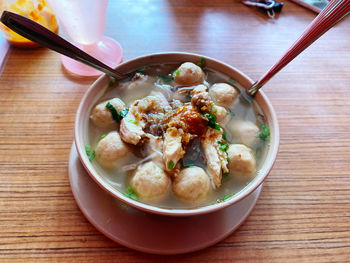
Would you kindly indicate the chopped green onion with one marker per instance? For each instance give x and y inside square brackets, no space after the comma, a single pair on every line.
[171,165]
[123,112]
[133,121]
[224,136]
[113,111]
[223,146]
[198,150]
[201,63]
[141,69]
[212,121]
[232,81]
[166,78]
[225,198]
[131,193]
[92,156]
[225,175]
[111,82]
[265,133]
[211,118]
[103,135]
[189,165]
[88,149]
[177,72]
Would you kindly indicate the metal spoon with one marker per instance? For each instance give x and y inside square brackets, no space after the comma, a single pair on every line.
[334,12]
[41,35]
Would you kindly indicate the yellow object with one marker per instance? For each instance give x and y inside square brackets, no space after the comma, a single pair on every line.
[36,10]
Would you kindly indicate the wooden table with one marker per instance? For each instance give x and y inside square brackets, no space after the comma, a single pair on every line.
[303,214]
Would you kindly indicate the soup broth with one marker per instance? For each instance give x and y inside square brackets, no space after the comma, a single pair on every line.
[159,79]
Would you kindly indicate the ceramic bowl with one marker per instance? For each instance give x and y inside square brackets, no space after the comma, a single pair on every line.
[97,89]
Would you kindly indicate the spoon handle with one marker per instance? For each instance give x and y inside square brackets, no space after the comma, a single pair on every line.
[41,35]
[334,12]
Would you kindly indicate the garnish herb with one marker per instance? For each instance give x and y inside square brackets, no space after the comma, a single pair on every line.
[217,127]
[223,146]
[90,154]
[177,72]
[189,165]
[123,112]
[224,198]
[212,121]
[232,81]
[133,121]
[171,165]
[103,135]
[116,116]
[201,63]
[224,136]
[265,133]
[141,69]
[131,193]
[198,150]
[228,159]
[112,82]
[166,78]
[113,111]
[88,149]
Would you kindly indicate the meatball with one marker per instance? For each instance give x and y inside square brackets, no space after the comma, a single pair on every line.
[224,94]
[241,160]
[191,184]
[220,113]
[102,117]
[189,74]
[110,149]
[150,182]
[245,132]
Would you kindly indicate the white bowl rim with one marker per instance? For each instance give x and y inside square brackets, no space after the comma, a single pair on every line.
[258,180]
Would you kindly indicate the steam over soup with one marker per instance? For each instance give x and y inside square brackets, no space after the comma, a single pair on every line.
[177,136]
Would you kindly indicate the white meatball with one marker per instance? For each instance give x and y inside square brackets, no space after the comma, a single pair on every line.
[150,182]
[221,114]
[102,117]
[189,74]
[110,149]
[191,184]
[245,132]
[242,160]
[224,94]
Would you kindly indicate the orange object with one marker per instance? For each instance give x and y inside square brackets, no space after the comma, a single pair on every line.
[36,10]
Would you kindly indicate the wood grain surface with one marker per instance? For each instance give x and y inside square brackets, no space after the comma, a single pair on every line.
[303,214]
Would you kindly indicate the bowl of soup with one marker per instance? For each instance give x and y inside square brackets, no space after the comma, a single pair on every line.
[174,137]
